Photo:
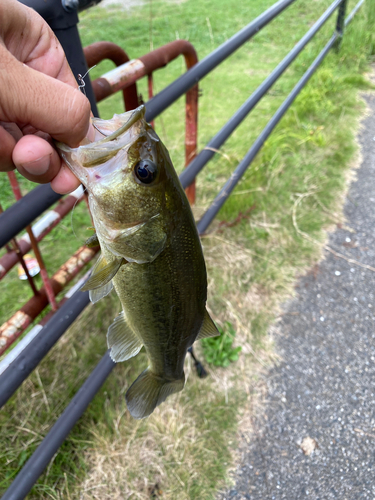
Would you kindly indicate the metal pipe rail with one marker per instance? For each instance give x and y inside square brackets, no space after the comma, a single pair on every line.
[49,220]
[228,187]
[193,169]
[57,434]
[15,218]
[14,375]
[18,322]
[71,309]
[97,52]
[153,107]
[171,93]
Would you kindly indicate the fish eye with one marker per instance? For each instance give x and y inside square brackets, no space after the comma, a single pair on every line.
[145,171]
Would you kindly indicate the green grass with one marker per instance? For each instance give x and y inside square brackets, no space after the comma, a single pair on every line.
[186,446]
[219,351]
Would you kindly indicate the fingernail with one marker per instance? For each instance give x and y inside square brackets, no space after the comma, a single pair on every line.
[38,166]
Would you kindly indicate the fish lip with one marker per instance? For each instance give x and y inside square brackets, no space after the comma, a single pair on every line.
[137,115]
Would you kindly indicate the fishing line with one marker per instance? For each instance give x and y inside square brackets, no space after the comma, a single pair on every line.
[160,118]
[81,80]
[100,132]
[151,29]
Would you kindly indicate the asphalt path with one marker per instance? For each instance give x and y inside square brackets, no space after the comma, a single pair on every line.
[315,437]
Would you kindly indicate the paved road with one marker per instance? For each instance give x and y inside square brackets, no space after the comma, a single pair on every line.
[325,387]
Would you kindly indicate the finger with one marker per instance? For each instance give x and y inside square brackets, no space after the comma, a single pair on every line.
[37,45]
[7,143]
[47,104]
[65,182]
[38,161]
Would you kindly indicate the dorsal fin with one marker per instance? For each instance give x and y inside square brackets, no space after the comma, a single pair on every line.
[208,328]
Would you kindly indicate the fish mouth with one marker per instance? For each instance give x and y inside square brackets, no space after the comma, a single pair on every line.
[98,152]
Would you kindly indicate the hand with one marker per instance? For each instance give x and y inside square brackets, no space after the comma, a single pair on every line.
[39,99]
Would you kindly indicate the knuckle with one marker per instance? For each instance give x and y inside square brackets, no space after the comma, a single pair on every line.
[79,108]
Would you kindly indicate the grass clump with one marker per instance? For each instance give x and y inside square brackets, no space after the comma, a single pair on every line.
[219,351]
[296,182]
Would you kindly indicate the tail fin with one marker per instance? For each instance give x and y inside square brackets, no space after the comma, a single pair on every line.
[148,391]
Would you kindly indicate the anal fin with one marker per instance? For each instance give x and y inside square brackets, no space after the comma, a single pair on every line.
[124,343]
[208,328]
[103,272]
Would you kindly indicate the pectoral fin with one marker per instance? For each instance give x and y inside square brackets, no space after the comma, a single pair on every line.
[142,243]
[102,273]
[124,343]
[208,328]
[98,293]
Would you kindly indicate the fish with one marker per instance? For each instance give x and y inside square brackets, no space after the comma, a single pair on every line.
[151,253]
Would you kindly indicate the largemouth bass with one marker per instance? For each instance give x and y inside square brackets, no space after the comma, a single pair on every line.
[150,253]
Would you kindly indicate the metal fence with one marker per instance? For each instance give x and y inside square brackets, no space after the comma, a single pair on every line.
[17,366]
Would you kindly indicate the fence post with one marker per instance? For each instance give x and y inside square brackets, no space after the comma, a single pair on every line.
[340,24]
